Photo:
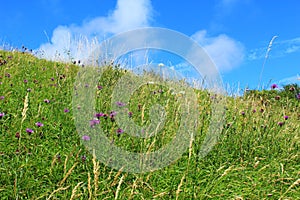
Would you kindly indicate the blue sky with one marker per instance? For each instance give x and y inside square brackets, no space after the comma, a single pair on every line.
[235,33]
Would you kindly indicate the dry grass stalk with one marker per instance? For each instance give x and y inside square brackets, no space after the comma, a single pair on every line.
[179,186]
[116,177]
[297,182]
[57,190]
[65,164]
[96,173]
[89,186]
[74,191]
[119,186]
[160,195]
[134,186]
[69,172]
[227,171]
[25,108]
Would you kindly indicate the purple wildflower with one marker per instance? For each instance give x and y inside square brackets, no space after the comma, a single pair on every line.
[2,97]
[120,131]
[29,131]
[129,114]
[94,122]
[120,104]
[86,138]
[286,117]
[66,110]
[254,110]
[277,97]
[39,124]
[99,87]
[98,115]
[243,113]
[112,114]
[52,79]
[46,100]
[25,81]
[1,115]
[273,86]
[83,158]
[292,89]
[280,123]
[262,110]
[298,96]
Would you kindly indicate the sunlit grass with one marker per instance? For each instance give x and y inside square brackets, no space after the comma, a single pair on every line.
[256,157]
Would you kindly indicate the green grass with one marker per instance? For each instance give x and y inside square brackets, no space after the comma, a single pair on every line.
[254,158]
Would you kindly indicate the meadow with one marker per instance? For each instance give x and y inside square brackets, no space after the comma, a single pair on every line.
[43,157]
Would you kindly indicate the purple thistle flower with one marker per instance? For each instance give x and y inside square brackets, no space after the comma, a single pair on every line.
[94,122]
[98,115]
[99,87]
[1,115]
[39,124]
[66,110]
[29,131]
[86,138]
[254,110]
[120,131]
[298,96]
[286,117]
[83,158]
[2,97]
[112,114]
[130,114]
[262,110]
[25,81]
[46,100]
[120,104]
[105,116]
[273,86]
[277,97]
[243,113]
[52,79]
[280,124]
[292,89]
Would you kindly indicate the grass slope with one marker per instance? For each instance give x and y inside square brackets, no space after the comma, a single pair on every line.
[42,157]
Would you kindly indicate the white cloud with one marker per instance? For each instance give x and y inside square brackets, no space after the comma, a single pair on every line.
[75,41]
[290,80]
[225,52]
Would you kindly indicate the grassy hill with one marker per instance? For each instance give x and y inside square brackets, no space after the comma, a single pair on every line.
[43,157]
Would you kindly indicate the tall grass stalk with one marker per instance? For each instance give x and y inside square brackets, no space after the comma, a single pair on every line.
[265,59]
